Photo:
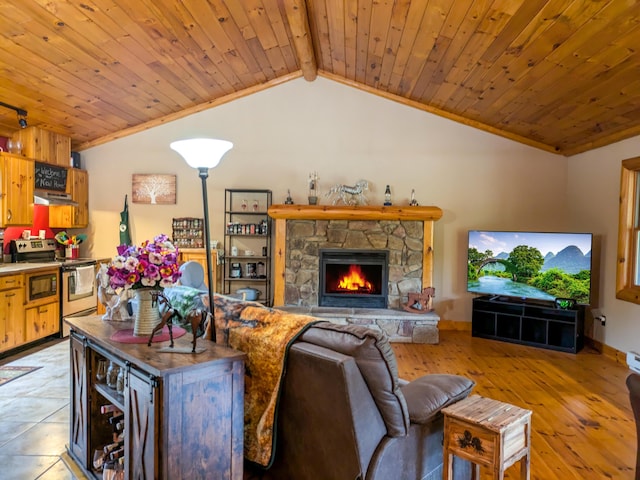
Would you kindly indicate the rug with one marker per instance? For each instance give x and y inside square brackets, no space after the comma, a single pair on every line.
[8,373]
[265,335]
[127,336]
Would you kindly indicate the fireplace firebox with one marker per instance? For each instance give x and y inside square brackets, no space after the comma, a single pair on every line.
[353,278]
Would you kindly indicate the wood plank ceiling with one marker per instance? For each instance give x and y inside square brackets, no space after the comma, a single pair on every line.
[561,75]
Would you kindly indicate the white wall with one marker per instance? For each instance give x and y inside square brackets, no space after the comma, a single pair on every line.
[280,135]
[594,192]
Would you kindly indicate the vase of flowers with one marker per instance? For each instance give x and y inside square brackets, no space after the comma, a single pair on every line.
[147,312]
[150,267]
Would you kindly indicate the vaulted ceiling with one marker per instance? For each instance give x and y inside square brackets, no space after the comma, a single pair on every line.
[561,75]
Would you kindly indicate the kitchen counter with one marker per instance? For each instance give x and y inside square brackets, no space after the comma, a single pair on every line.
[13,268]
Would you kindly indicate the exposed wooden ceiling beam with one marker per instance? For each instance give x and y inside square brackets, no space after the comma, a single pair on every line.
[558,75]
[299,23]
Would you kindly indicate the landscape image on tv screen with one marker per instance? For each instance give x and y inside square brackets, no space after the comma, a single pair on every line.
[530,265]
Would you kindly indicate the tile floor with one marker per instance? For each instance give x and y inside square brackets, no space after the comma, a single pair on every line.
[34,418]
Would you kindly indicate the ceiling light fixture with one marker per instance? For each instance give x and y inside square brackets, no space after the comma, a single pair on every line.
[22,114]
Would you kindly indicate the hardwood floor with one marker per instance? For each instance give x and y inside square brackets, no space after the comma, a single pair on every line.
[582,424]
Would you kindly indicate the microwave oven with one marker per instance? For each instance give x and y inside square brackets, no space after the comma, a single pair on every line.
[42,285]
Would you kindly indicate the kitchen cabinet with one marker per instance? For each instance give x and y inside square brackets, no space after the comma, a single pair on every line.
[200,255]
[44,145]
[42,321]
[17,185]
[12,317]
[23,321]
[247,242]
[69,216]
[182,414]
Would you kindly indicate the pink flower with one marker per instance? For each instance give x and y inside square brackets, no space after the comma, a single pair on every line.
[152,265]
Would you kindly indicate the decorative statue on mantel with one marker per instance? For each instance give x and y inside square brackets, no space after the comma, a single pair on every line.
[350,195]
[288,200]
[413,202]
[313,188]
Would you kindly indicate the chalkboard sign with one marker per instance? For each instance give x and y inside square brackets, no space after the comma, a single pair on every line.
[51,177]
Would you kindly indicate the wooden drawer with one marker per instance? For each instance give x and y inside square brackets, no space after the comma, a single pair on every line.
[472,442]
[11,281]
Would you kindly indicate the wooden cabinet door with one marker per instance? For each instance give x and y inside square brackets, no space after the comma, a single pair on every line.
[80,193]
[44,145]
[11,318]
[79,436]
[42,321]
[194,448]
[141,417]
[17,190]
[67,216]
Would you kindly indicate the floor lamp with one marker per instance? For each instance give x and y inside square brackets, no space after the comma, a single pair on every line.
[203,154]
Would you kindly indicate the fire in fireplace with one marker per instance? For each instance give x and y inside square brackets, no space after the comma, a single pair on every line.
[353,278]
[354,281]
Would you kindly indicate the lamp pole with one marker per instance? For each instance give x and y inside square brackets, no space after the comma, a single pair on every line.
[204,174]
[203,154]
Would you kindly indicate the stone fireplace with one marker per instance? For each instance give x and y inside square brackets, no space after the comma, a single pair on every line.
[353,278]
[404,234]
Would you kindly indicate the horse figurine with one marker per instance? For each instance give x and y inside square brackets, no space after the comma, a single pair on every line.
[197,317]
[114,303]
[350,195]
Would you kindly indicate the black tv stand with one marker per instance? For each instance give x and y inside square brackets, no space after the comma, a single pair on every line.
[534,324]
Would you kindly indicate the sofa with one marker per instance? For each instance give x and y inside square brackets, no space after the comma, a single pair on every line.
[343,412]
[633,384]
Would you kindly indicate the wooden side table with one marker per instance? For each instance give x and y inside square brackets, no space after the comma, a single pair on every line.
[487,432]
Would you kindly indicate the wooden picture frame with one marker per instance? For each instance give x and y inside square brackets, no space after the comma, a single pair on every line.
[154,188]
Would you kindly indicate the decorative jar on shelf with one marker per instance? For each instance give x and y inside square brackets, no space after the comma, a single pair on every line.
[112,375]
[101,371]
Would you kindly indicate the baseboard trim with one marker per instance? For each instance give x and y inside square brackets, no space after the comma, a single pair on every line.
[607,351]
[454,325]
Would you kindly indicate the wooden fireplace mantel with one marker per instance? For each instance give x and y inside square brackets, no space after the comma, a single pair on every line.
[331,212]
[282,213]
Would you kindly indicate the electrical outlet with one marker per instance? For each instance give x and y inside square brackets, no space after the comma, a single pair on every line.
[598,316]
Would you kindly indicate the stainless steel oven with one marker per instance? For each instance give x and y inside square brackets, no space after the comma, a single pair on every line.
[79,293]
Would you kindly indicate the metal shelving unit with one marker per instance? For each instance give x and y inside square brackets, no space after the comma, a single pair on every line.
[247,242]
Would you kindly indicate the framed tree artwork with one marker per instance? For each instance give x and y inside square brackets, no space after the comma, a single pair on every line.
[156,189]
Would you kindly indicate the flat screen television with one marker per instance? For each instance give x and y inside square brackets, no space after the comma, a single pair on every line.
[530,265]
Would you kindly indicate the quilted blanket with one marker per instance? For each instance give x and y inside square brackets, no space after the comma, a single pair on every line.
[264,335]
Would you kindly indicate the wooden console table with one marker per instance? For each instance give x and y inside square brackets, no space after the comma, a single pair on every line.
[183,412]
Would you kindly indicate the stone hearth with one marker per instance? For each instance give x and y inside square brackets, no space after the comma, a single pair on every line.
[406,232]
[400,326]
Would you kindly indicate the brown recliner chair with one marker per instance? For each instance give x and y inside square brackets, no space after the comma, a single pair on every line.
[345,415]
[633,384]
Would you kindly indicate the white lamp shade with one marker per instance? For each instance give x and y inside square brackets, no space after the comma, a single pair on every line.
[202,152]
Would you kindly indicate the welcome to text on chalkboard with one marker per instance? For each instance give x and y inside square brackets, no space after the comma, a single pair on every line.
[51,177]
